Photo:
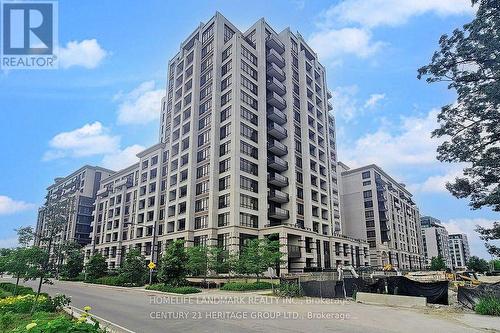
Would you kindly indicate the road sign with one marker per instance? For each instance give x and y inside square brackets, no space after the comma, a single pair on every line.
[151,265]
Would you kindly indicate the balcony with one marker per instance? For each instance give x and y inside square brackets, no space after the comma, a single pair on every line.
[274,71]
[277,180]
[277,163]
[274,43]
[277,148]
[276,131]
[330,106]
[276,115]
[278,196]
[329,94]
[276,58]
[276,100]
[274,85]
[278,213]
[293,251]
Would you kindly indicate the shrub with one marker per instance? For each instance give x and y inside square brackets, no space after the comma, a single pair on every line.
[288,290]
[60,324]
[10,287]
[172,289]
[488,306]
[241,286]
[24,304]
[114,280]
[134,268]
[96,267]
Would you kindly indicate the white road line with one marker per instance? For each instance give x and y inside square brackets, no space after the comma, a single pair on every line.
[104,320]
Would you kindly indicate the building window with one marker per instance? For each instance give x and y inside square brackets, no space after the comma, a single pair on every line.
[249,55]
[223,219]
[202,171]
[365,175]
[249,70]
[249,84]
[224,165]
[249,100]
[249,133]
[249,167]
[249,150]
[207,34]
[201,205]
[201,222]
[225,83]
[249,184]
[249,220]
[225,148]
[249,115]
[367,194]
[225,131]
[224,99]
[226,67]
[226,53]
[228,33]
[249,202]
[224,201]
[224,183]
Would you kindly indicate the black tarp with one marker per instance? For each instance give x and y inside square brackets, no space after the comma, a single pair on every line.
[435,292]
[325,289]
[353,285]
[469,296]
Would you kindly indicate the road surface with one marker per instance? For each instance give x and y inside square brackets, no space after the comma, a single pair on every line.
[137,310]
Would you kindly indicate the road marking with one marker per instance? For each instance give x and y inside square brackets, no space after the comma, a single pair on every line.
[106,321]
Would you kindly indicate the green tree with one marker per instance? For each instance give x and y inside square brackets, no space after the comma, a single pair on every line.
[25,235]
[469,61]
[257,256]
[16,262]
[477,265]
[72,253]
[96,267]
[197,262]
[495,264]
[437,263]
[133,269]
[172,268]
[218,260]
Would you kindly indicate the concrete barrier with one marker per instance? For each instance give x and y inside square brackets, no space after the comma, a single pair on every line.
[392,300]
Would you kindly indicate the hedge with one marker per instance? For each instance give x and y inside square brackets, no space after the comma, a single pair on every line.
[241,286]
[170,289]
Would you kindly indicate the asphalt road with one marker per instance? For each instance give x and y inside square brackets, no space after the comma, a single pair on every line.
[144,311]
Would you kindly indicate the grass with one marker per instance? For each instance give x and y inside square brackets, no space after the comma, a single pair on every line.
[489,305]
[241,286]
[171,289]
[9,321]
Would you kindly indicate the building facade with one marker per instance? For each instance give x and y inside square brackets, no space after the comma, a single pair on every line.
[379,209]
[435,240]
[459,250]
[76,194]
[247,150]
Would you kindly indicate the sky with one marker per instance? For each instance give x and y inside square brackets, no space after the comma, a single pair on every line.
[102,105]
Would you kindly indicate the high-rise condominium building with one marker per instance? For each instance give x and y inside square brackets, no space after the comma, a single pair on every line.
[247,149]
[379,209]
[75,194]
[459,250]
[435,240]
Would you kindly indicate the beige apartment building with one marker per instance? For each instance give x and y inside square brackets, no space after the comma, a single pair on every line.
[76,192]
[381,210]
[435,240]
[459,250]
[247,149]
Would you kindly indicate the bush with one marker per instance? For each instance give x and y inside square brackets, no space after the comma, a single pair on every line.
[241,286]
[114,280]
[21,290]
[24,304]
[59,324]
[172,289]
[488,306]
[80,277]
[288,290]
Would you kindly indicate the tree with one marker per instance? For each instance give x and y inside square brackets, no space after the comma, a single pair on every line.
[469,60]
[257,256]
[96,267]
[495,264]
[172,269]
[437,263]
[477,265]
[73,266]
[25,235]
[197,263]
[218,260]
[16,262]
[133,269]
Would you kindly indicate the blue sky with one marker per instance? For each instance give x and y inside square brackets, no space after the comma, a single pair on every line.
[101,107]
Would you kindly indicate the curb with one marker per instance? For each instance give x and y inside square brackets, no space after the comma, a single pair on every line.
[104,324]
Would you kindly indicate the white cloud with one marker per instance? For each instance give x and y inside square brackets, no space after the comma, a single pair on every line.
[87,53]
[88,140]
[8,243]
[373,13]
[140,105]
[333,43]
[10,206]
[437,183]
[467,226]
[410,144]
[346,104]
[373,100]
[122,158]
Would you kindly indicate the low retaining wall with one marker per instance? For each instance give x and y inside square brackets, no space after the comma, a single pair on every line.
[394,300]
